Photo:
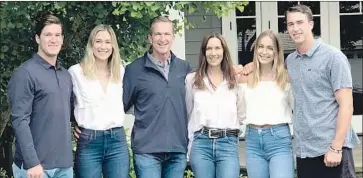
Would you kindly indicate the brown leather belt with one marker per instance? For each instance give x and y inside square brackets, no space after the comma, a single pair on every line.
[218,133]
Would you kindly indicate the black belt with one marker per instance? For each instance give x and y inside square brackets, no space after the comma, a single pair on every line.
[218,133]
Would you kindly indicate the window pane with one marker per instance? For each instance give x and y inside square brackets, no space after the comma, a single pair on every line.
[351,28]
[351,43]
[314,6]
[282,6]
[246,36]
[349,7]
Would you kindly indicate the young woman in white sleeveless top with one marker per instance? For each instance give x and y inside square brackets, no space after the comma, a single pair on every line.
[268,104]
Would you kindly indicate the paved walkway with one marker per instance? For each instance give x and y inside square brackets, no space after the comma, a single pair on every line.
[357,153]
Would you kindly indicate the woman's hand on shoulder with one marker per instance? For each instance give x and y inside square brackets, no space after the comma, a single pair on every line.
[242,79]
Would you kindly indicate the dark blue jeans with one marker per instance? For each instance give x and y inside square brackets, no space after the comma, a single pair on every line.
[160,165]
[102,154]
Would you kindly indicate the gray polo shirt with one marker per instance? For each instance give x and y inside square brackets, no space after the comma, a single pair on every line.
[315,76]
[40,97]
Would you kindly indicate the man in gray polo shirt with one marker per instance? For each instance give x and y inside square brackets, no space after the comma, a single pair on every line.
[40,98]
[322,85]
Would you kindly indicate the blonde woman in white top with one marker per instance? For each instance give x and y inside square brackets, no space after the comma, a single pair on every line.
[269,102]
[98,108]
[214,120]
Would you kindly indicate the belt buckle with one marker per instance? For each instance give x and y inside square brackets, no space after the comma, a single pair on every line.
[210,133]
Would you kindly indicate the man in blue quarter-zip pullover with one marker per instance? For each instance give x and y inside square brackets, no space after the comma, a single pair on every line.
[154,84]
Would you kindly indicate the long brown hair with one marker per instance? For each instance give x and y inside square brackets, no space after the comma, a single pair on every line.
[278,66]
[226,64]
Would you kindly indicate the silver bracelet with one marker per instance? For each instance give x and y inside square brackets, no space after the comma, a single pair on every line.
[335,150]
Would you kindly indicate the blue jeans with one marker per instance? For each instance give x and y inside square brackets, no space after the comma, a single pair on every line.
[214,158]
[269,152]
[102,153]
[160,165]
[51,173]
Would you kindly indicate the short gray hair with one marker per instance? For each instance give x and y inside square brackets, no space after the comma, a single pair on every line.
[159,19]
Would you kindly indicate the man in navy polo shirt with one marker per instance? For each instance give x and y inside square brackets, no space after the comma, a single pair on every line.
[40,98]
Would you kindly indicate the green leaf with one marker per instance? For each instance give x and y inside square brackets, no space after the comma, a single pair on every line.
[4,48]
[191,9]
[19,25]
[149,4]
[100,15]
[241,8]
[116,12]
[134,14]
[136,6]
[155,7]
[11,25]
[3,24]
[14,52]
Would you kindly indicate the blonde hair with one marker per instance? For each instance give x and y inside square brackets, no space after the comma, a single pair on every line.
[278,65]
[114,62]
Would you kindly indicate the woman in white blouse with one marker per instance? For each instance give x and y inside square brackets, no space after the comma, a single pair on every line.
[268,101]
[214,122]
[98,108]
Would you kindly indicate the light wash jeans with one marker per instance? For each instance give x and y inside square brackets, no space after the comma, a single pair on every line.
[269,152]
[52,173]
[160,165]
[214,158]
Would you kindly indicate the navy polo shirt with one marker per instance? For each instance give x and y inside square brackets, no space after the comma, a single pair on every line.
[40,97]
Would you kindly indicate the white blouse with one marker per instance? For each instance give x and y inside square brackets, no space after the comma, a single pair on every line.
[215,109]
[267,103]
[94,108]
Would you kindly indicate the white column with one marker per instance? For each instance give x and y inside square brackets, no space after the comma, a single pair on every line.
[178,47]
[334,24]
[229,31]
